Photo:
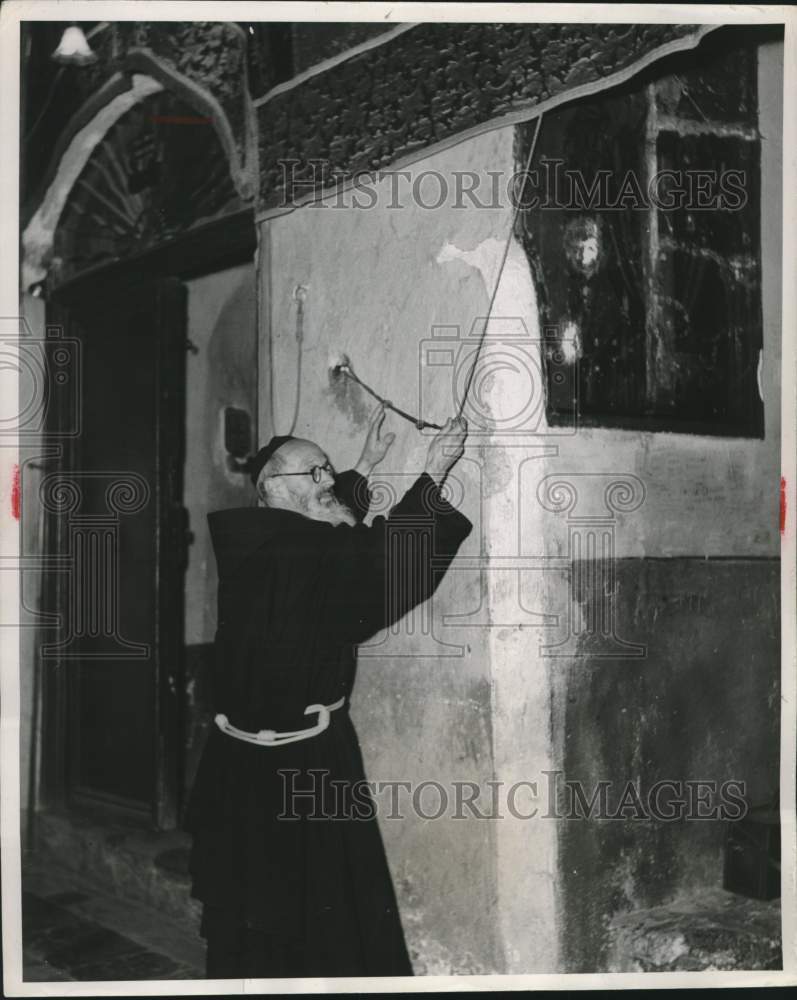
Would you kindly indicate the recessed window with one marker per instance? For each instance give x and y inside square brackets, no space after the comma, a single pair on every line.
[642,226]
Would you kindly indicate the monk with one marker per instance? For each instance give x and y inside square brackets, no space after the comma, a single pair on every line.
[291,871]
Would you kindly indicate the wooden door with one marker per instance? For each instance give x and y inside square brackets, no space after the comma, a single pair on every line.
[112,695]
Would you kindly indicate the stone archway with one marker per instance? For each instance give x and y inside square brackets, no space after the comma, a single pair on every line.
[145,70]
[159,173]
[39,234]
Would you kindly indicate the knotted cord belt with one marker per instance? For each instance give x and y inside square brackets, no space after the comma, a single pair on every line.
[271,738]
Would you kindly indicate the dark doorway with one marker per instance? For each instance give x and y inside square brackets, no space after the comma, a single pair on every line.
[113,675]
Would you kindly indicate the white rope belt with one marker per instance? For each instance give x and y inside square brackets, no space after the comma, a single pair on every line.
[271,738]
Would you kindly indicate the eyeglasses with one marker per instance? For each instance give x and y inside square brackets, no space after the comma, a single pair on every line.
[315,472]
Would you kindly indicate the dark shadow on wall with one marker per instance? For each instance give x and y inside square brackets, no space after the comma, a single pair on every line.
[702,705]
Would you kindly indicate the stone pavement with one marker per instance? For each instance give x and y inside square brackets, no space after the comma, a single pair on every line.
[72,930]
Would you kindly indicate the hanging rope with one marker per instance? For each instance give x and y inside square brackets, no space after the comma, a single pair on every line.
[299,295]
[515,213]
[346,367]
[348,371]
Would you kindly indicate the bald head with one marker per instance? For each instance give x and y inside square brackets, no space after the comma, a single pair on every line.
[286,482]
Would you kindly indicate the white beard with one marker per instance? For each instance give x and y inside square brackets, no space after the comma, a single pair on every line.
[329,509]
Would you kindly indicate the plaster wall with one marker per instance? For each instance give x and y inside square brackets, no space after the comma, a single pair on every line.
[705,496]
[697,589]
[220,372]
[377,282]
[425,699]
[696,717]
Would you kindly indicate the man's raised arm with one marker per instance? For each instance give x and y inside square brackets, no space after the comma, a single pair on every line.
[375,575]
[351,486]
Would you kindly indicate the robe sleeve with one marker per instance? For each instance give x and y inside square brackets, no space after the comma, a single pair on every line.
[372,576]
[352,489]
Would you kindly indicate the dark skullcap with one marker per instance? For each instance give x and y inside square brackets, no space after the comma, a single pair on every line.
[258,461]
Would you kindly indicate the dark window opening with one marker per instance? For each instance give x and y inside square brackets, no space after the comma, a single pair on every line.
[642,228]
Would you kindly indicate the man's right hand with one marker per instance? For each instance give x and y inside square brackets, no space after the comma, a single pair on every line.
[446,448]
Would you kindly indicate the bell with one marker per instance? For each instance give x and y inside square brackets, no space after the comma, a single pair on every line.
[74,49]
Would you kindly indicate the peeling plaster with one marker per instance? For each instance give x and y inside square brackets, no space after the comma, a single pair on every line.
[498,471]
[522,738]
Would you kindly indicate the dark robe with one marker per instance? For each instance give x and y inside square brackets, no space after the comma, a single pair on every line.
[306,875]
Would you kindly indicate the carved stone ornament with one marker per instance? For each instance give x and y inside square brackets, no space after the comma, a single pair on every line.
[202,62]
[400,101]
[156,174]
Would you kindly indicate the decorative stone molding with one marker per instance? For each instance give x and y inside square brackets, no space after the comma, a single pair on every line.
[37,238]
[203,62]
[435,85]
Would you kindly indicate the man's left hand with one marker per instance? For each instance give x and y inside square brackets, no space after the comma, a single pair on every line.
[376,444]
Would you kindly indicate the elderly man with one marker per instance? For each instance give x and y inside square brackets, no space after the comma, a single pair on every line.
[290,869]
